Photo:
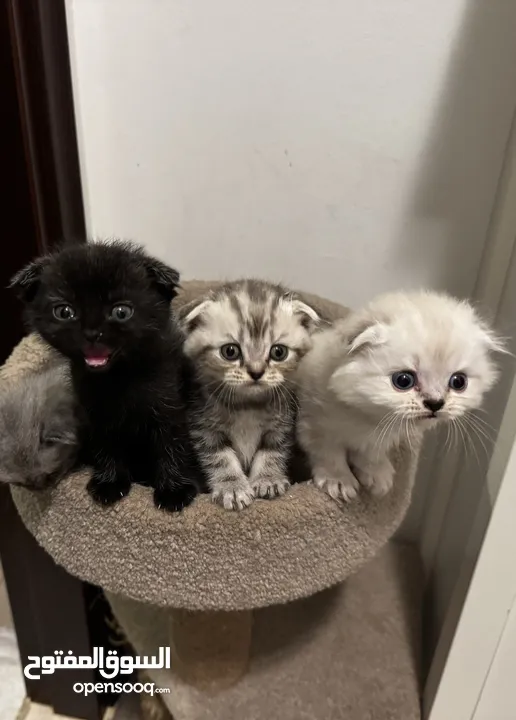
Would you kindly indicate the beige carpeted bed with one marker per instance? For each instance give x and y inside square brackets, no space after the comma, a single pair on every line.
[194,581]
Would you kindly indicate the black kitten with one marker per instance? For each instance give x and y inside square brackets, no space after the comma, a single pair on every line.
[106,306]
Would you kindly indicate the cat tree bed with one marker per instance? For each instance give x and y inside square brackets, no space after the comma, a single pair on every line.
[195,581]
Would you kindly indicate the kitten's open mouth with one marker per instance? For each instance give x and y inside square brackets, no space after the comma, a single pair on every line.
[97,358]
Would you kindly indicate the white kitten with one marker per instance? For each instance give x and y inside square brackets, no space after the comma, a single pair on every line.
[403,364]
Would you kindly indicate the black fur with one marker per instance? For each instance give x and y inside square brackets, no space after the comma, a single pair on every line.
[136,427]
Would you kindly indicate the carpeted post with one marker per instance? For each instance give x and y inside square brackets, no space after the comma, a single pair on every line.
[210,650]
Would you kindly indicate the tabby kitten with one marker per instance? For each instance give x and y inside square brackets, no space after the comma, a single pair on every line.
[245,340]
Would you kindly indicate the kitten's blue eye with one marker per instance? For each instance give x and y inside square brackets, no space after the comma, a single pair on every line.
[121,313]
[278,353]
[63,312]
[403,379]
[458,382]
[231,352]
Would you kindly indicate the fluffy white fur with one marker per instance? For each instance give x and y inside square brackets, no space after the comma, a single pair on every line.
[351,414]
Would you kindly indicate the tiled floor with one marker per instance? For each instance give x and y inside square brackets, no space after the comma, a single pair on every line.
[12,688]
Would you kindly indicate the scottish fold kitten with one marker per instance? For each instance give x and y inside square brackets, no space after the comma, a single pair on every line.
[402,365]
[106,307]
[245,340]
[38,428]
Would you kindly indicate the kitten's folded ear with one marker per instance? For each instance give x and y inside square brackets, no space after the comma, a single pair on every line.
[164,278]
[308,317]
[190,315]
[364,331]
[26,281]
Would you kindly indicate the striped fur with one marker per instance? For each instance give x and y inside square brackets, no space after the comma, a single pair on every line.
[243,426]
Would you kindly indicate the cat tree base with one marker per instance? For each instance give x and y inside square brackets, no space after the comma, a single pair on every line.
[348,653]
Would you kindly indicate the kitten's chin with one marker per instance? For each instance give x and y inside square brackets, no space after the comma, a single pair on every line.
[257,388]
[251,392]
[428,421]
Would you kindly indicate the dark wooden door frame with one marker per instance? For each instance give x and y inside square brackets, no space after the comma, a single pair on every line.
[49,612]
[42,207]
[41,63]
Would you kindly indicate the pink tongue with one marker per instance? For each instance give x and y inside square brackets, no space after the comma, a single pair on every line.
[97,360]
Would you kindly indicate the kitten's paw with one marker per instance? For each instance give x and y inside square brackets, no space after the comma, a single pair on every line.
[235,495]
[379,483]
[108,491]
[382,484]
[270,487]
[174,499]
[338,488]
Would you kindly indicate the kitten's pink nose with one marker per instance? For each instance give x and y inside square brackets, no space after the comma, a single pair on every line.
[433,405]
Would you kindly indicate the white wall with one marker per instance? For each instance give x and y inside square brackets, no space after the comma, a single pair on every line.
[339,146]
[462,493]
[497,701]
[473,656]
[346,147]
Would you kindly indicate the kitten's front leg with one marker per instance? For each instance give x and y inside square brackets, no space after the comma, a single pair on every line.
[331,472]
[268,476]
[174,485]
[110,482]
[228,483]
[376,475]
